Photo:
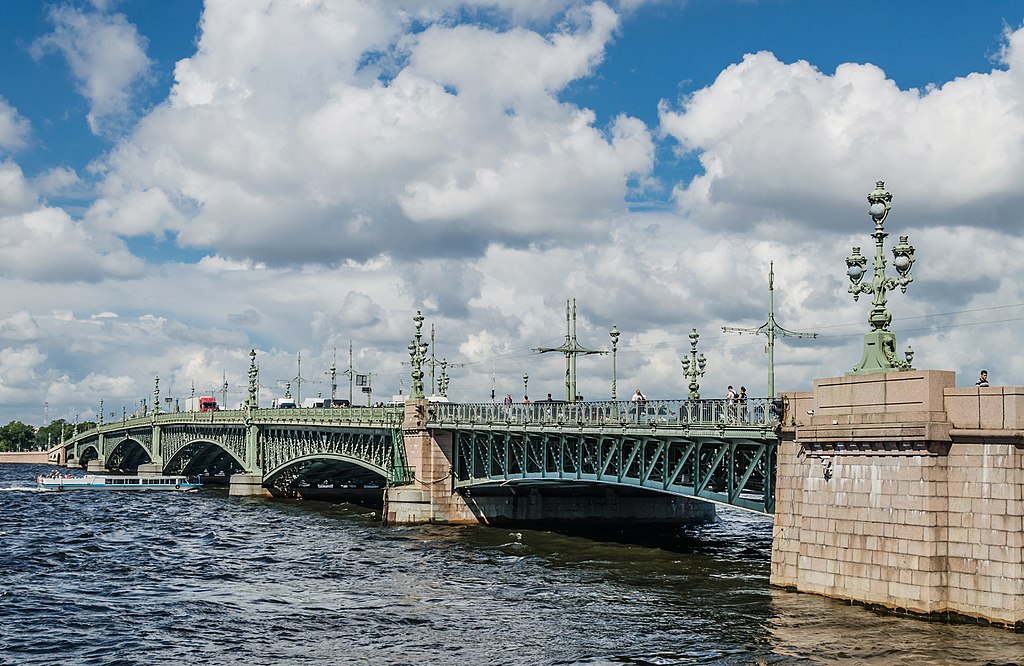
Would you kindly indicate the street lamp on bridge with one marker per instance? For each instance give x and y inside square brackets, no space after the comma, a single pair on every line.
[693,366]
[417,355]
[614,334]
[526,385]
[880,343]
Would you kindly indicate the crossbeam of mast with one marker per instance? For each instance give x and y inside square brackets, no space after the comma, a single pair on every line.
[770,328]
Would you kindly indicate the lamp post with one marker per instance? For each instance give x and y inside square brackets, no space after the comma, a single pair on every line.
[252,402]
[880,343]
[417,354]
[614,334]
[156,396]
[693,366]
[526,385]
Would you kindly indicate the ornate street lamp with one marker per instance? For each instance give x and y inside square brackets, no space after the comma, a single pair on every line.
[526,385]
[417,354]
[880,343]
[254,373]
[156,396]
[614,333]
[442,385]
[693,366]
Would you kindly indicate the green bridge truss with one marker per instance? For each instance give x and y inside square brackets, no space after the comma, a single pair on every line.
[287,446]
[705,449]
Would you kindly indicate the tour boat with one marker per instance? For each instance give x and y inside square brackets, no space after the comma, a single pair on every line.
[114,482]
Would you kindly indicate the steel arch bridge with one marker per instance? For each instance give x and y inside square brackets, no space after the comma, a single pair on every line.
[285,447]
[708,450]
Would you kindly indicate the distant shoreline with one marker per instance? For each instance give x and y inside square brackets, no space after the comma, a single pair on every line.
[25,457]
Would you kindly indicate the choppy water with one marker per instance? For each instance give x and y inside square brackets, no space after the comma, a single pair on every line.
[91,577]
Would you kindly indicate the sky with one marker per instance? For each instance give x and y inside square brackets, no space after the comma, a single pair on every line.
[183,182]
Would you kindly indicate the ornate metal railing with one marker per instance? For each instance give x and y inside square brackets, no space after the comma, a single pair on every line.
[345,416]
[755,412]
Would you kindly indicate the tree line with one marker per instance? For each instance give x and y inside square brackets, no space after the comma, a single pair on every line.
[18,436]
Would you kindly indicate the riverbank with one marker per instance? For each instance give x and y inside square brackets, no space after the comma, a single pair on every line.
[25,457]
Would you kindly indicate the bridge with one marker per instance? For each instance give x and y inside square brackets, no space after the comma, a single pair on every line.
[895,488]
[709,450]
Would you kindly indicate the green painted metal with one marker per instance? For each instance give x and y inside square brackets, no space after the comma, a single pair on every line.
[693,366]
[770,328]
[701,449]
[756,414]
[715,467]
[278,444]
[880,344]
[571,348]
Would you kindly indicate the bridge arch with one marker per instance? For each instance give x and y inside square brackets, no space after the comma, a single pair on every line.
[204,455]
[335,469]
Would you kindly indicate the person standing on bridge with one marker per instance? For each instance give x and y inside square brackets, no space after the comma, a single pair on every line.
[641,403]
[983,380]
[730,406]
[508,405]
[741,404]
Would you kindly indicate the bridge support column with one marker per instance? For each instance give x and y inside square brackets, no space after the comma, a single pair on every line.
[877,502]
[429,499]
[97,465]
[247,485]
[250,482]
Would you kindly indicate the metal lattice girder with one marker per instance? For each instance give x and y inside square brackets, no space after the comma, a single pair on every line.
[737,471]
[370,438]
[369,448]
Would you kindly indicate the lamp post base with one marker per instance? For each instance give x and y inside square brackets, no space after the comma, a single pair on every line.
[879,355]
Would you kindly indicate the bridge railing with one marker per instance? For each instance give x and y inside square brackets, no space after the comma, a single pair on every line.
[356,416]
[755,412]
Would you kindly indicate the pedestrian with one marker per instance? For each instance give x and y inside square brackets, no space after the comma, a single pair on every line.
[983,380]
[741,403]
[641,403]
[508,405]
[730,407]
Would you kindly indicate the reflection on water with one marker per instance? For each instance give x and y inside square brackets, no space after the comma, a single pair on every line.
[137,578]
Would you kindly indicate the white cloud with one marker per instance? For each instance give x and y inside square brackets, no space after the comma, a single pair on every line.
[788,141]
[48,246]
[286,147]
[14,129]
[43,243]
[107,57]
[340,171]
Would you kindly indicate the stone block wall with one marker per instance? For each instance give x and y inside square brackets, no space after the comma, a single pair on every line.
[883,498]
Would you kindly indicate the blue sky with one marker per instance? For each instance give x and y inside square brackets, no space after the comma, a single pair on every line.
[275,193]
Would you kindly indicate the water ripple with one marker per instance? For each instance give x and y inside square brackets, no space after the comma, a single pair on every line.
[139,578]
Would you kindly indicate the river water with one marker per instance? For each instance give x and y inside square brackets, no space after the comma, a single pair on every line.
[93,577]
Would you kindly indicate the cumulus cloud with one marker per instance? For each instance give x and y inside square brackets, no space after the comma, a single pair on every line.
[43,243]
[14,129]
[107,57]
[297,144]
[347,163]
[788,141]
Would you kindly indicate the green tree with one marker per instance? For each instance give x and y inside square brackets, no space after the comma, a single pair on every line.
[49,435]
[17,436]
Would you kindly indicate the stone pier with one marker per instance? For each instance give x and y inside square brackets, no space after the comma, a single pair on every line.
[902,491]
